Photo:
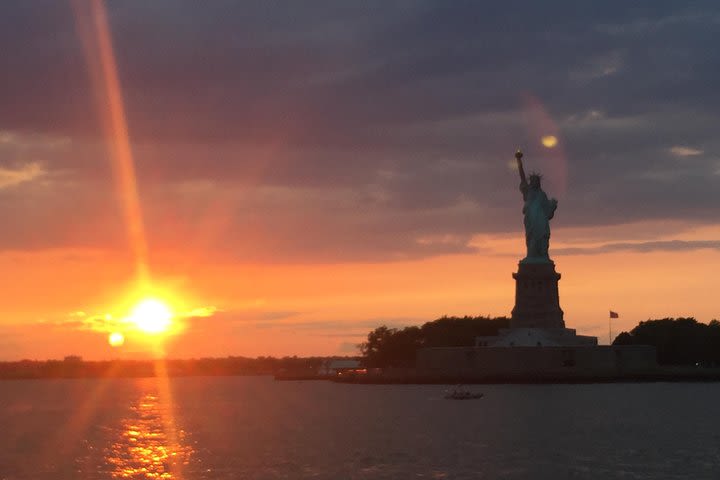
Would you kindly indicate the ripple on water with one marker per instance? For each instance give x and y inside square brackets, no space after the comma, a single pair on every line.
[148,444]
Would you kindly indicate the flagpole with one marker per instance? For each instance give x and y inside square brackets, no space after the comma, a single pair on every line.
[609,328]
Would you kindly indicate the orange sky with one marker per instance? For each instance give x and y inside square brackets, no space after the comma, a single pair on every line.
[281,309]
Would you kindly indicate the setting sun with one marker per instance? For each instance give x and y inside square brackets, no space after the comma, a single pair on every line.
[151,316]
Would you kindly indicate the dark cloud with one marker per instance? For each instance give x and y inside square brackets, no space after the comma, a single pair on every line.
[288,321]
[367,131]
[642,247]
[320,73]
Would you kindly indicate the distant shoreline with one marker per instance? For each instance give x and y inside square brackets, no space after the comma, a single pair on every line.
[674,377]
[76,367]
[410,377]
[305,369]
[690,377]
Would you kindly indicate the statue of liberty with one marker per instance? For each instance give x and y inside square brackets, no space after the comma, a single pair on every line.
[538,210]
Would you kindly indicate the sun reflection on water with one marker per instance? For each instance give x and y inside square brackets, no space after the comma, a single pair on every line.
[149,447]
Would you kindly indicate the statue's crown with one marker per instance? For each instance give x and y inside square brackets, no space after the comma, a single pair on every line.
[535,175]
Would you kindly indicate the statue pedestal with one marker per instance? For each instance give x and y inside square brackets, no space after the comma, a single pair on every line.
[537,303]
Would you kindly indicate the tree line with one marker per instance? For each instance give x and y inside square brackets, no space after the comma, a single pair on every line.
[679,341]
[75,367]
[396,347]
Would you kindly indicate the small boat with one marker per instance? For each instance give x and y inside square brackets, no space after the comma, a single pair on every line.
[459,393]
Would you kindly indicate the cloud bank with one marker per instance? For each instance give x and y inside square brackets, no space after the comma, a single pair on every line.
[366,132]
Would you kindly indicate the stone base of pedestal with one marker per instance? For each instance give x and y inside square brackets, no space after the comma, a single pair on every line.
[537,303]
[536,337]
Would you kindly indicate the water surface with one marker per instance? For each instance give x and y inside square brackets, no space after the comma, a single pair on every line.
[255,428]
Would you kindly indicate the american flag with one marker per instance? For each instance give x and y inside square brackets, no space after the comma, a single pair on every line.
[614,314]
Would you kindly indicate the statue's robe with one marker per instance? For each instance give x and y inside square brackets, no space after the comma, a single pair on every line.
[538,210]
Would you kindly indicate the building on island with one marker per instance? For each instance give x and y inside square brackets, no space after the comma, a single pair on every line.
[340,366]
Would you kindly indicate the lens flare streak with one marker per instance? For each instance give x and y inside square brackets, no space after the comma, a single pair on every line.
[94,32]
[149,446]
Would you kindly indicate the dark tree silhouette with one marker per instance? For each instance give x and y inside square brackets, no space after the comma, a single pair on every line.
[679,341]
[393,347]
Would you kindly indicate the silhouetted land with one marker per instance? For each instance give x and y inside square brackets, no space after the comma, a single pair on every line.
[75,367]
[393,347]
[679,341]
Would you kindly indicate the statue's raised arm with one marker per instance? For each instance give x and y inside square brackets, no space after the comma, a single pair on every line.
[537,210]
[521,171]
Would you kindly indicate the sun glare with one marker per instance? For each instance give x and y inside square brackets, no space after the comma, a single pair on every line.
[549,141]
[151,316]
[116,339]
